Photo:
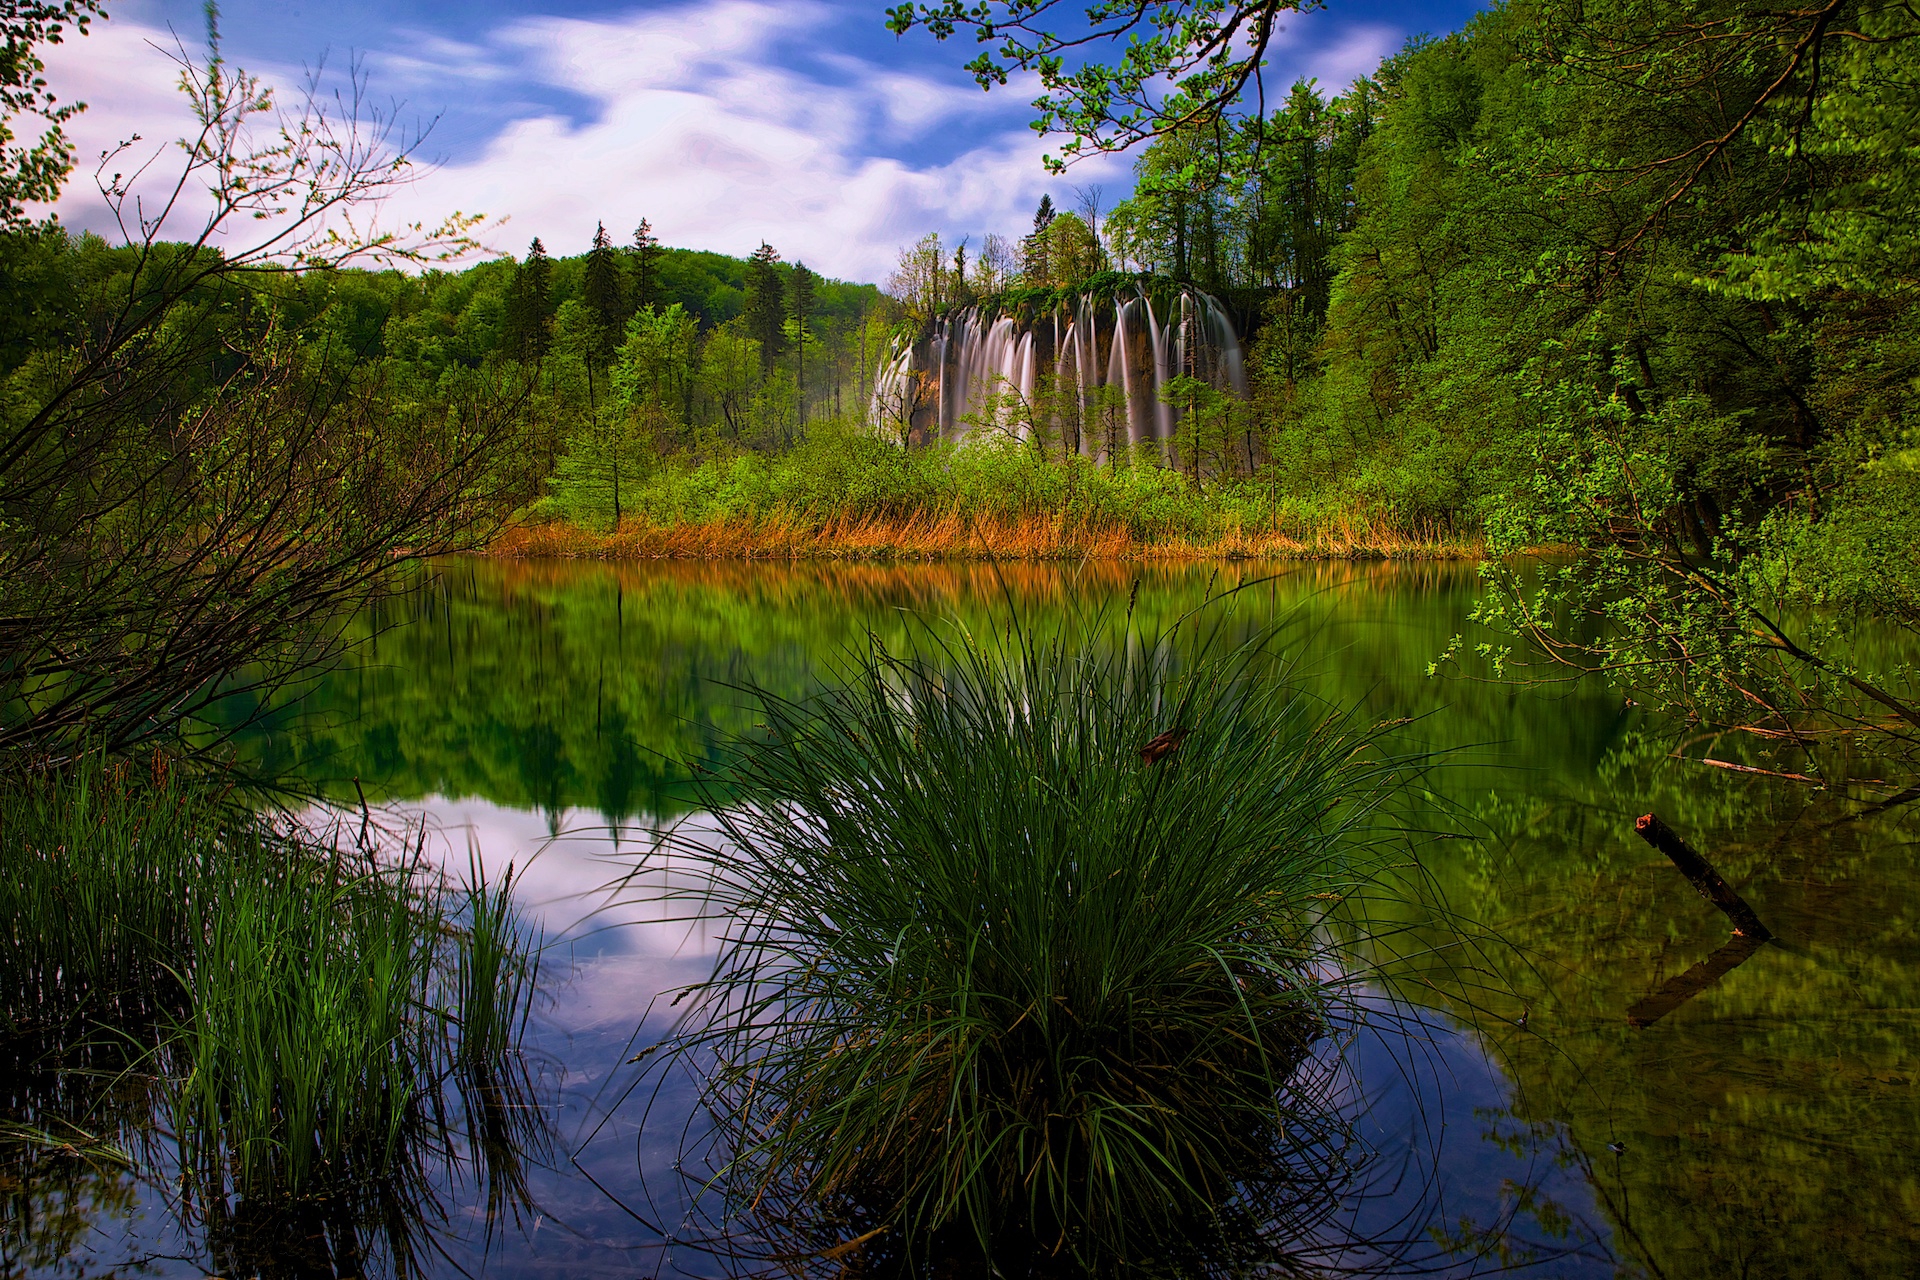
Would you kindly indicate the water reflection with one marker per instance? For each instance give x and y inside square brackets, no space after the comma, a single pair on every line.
[1764,1125]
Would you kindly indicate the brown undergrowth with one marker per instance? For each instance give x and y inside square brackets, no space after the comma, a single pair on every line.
[934,536]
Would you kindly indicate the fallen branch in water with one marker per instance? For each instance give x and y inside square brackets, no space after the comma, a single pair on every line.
[1682,987]
[1703,877]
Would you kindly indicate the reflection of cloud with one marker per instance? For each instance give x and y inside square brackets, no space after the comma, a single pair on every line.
[623,915]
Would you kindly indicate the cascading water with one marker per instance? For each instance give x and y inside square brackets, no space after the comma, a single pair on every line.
[1106,358]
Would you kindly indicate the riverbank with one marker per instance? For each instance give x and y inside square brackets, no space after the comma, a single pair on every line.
[956,536]
[841,494]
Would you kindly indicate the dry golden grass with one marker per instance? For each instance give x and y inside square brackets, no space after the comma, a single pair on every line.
[936,536]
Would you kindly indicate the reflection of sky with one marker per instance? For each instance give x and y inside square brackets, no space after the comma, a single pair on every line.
[1428,1100]
[617,910]
[803,122]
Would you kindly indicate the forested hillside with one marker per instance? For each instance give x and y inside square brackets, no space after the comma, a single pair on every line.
[583,339]
[1629,278]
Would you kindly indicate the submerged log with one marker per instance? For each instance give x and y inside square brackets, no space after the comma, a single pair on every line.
[1703,877]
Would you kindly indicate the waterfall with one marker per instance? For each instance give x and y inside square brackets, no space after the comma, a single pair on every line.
[979,369]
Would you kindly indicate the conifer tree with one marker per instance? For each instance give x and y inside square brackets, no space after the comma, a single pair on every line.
[645,253]
[766,311]
[606,300]
[529,306]
[802,289]
[1037,266]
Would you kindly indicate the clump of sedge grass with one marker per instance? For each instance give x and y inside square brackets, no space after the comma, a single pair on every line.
[310,1031]
[1026,956]
[294,1004]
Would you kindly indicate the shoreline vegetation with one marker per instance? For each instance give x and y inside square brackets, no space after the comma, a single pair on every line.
[955,535]
[842,494]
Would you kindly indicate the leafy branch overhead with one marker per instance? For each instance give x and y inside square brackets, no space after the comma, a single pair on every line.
[1183,63]
[33,174]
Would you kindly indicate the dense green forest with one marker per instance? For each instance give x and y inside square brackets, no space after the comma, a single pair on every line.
[1633,279]
[617,351]
[1628,279]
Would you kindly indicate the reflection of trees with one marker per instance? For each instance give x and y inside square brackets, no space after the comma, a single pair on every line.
[615,676]
[1763,1105]
[1773,1111]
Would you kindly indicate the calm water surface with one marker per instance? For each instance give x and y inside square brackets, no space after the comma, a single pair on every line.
[546,716]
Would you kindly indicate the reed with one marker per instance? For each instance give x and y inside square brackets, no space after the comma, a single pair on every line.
[293,1005]
[96,898]
[843,493]
[496,972]
[953,535]
[1026,963]
[311,1032]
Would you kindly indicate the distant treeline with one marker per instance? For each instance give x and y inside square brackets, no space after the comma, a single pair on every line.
[707,350]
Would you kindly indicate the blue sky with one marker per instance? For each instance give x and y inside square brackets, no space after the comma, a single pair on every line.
[803,122]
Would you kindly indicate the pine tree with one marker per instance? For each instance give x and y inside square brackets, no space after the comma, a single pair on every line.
[529,306]
[646,266]
[1037,268]
[766,311]
[601,290]
[801,291]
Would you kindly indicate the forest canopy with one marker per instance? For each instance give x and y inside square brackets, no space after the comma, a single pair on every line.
[1628,278]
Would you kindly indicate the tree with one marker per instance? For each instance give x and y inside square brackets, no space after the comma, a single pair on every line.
[1185,62]
[605,456]
[645,253]
[656,364]
[900,396]
[995,267]
[34,174]
[195,500]
[765,312]
[1037,247]
[529,310]
[920,282]
[962,282]
[600,288]
[1072,251]
[801,289]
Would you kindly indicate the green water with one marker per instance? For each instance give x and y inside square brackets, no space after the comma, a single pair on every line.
[1768,1125]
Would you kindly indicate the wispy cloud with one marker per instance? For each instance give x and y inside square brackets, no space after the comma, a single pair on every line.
[722,123]
[694,126]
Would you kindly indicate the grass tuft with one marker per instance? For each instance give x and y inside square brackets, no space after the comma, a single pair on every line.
[289,1008]
[998,991]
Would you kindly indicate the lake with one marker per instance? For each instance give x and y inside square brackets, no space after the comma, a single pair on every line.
[1565,1070]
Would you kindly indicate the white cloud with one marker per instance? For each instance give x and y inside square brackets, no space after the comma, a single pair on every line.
[127,76]
[1357,51]
[696,125]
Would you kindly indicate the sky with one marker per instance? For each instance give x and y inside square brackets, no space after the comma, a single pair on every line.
[803,123]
